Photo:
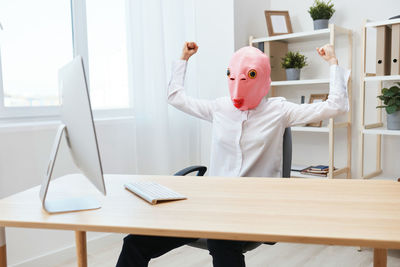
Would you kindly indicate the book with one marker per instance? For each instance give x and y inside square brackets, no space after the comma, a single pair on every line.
[298,168]
[318,170]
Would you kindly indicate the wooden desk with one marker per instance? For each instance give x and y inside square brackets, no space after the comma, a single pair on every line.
[338,212]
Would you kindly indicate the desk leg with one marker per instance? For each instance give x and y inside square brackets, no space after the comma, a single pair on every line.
[81,253]
[380,257]
[3,251]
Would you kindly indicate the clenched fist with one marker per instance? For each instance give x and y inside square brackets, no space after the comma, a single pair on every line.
[327,52]
[189,49]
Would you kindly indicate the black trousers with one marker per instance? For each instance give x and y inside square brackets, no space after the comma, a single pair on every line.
[138,250]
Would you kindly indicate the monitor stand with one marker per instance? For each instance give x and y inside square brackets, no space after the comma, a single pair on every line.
[67,204]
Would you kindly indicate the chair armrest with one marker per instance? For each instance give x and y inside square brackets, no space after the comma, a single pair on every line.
[201,170]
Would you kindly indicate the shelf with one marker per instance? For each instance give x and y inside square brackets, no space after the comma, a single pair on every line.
[382,78]
[300,82]
[296,37]
[304,36]
[381,130]
[310,129]
[383,22]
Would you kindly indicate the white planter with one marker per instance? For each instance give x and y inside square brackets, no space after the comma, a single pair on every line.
[393,121]
[320,24]
[292,74]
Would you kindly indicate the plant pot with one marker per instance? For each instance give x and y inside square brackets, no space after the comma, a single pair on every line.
[320,24]
[292,74]
[393,121]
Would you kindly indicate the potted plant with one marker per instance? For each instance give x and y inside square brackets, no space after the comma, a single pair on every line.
[321,12]
[293,62]
[391,101]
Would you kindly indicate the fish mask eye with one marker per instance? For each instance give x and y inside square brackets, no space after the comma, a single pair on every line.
[228,72]
[252,74]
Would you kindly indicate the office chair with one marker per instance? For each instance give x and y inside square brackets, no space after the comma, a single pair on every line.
[286,168]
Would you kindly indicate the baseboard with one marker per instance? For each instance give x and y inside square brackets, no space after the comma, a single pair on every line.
[55,257]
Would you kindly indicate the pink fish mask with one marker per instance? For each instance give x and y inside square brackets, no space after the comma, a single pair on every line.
[248,77]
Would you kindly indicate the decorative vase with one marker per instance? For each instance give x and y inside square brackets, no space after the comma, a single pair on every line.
[393,121]
[320,24]
[292,74]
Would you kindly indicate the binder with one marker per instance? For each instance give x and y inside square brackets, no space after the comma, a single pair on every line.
[395,64]
[383,43]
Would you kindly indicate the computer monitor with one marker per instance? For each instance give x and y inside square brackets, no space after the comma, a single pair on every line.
[78,128]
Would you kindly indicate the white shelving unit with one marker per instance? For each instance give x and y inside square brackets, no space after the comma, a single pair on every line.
[376,128]
[329,35]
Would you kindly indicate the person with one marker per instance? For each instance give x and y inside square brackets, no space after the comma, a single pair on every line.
[247,136]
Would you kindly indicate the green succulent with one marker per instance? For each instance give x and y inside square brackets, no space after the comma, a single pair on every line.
[390,98]
[321,10]
[294,60]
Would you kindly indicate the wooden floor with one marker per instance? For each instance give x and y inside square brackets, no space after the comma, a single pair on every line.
[278,255]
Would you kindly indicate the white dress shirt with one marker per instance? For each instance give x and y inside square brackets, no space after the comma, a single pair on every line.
[249,143]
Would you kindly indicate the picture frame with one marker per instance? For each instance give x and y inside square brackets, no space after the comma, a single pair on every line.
[278,22]
[315,98]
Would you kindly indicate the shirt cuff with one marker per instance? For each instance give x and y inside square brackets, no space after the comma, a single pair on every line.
[338,79]
[178,72]
[176,82]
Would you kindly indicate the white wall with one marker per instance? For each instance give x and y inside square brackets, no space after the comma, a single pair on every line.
[249,20]
[349,14]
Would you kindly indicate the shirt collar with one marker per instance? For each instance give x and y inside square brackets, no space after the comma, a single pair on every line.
[260,106]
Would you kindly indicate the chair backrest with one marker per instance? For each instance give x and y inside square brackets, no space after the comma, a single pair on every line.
[287,153]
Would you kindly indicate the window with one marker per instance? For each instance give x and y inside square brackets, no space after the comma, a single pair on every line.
[36,41]
[39,37]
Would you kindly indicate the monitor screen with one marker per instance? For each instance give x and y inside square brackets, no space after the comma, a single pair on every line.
[76,114]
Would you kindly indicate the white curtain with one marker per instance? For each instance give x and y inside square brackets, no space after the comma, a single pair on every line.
[166,139]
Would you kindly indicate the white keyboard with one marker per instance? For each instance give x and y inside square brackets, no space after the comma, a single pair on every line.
[153,192]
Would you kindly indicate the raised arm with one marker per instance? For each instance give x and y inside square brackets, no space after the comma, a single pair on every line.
[337,102]
[177,97]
